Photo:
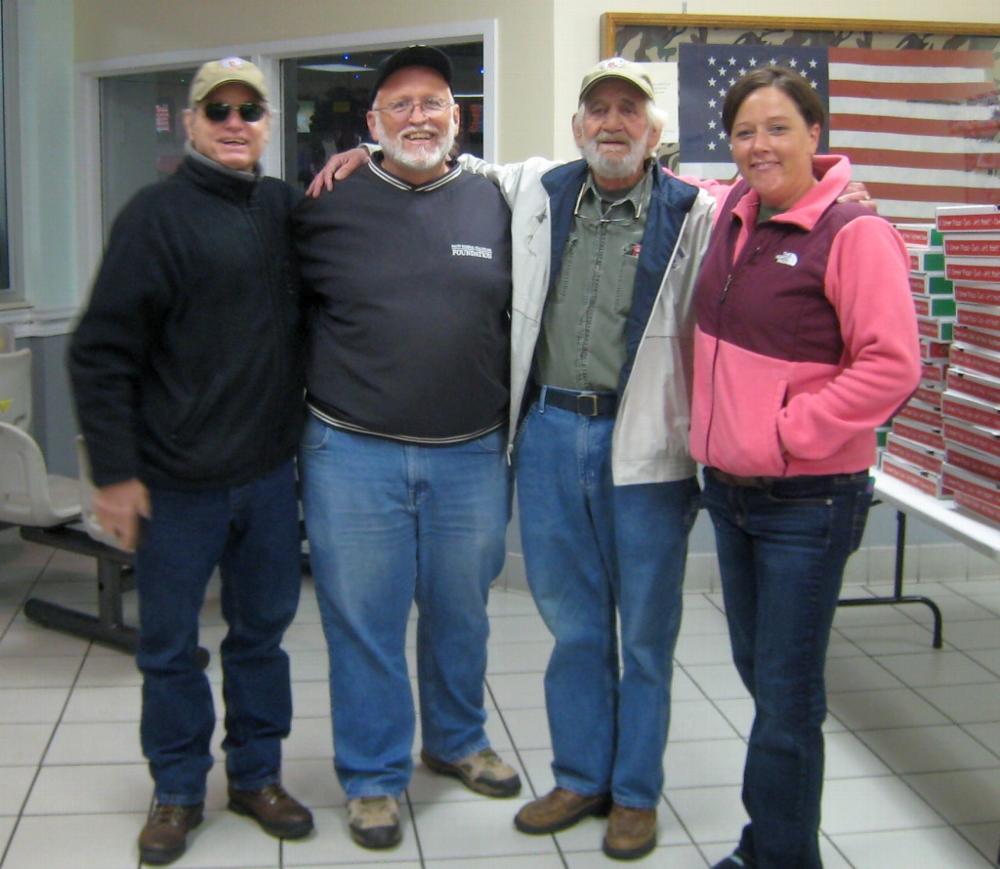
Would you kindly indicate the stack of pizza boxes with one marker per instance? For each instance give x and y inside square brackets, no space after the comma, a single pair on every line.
[971,399]
[914,445]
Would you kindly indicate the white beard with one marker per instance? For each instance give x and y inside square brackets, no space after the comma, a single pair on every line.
[427,157]
[613,166]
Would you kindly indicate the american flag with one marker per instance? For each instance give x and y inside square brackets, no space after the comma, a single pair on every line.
[921,127]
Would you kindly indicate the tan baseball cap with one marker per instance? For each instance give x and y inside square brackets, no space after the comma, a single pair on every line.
[617,67]
[229,69]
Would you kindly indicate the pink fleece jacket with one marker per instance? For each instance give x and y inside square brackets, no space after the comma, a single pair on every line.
[806,337]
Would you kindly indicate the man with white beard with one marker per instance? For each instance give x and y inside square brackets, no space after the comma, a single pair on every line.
[405,482]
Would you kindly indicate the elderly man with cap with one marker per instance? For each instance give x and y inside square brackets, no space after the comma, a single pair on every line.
[406,487]
[606,250]
[188,384]
[606,253]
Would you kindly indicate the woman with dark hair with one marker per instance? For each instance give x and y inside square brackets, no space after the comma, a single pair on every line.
[806,341]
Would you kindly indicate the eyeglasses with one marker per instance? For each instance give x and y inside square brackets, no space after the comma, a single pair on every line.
[219,112]
[404,108]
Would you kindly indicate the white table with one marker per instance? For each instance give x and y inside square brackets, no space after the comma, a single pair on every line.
[942,514]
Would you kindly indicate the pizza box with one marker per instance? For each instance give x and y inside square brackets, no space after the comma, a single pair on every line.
[929,395]
[976,337]
[979,509]
[927,305]
[927,458]
[972,244]
[981,268]
[936,328]
[958,405]
[919,234]
[972,358]
[931,284]
[928,435]
[959,480]
[918,411]
[986,317]
[978,437]
[981,293]
[926,259]
[925,481]
[967,218]
[974,383]
[933,372]
[972,460]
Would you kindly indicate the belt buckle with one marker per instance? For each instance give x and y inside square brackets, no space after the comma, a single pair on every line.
[581,407]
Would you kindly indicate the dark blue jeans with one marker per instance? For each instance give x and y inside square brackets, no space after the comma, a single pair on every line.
[603,562]
[782,548]
[251,533]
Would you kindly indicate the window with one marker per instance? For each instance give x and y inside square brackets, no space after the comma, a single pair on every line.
[326,98]
[142,133]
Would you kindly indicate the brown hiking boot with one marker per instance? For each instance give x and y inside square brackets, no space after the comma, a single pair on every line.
[164,837]
[277,812]
[483,772]
[631,833]
[559,809]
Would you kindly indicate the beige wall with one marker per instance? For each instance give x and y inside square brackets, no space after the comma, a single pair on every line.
[544,45]
[107,29]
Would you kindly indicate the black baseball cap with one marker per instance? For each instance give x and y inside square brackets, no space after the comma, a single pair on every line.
[412,55]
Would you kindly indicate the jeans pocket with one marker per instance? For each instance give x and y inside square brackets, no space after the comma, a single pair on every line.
[862,503]
[315,435]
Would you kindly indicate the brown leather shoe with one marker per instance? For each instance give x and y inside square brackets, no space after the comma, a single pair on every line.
[631,833]
[164,837]
[559,809]
[274,809]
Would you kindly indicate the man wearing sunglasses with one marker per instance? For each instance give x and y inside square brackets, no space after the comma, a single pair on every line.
[188,384]
[405,484]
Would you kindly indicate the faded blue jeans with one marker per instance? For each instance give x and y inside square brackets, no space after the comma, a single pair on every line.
[782,548]
[390,523]
[597,554]
[251,532]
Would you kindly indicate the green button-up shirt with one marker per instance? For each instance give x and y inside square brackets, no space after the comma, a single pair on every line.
[582,341]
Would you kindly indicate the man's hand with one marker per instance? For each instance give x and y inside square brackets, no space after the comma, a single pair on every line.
[119,508]
[337,168]
[857,192]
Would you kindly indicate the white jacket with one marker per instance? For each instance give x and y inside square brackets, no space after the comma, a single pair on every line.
[650,440]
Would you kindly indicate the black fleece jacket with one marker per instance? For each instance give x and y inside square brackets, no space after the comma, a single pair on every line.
[186,366]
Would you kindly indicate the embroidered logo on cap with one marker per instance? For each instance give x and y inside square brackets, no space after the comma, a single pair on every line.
[232,62]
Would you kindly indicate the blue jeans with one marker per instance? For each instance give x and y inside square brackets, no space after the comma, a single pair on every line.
[390,523]
[251,532]
[782,550]
[592,548]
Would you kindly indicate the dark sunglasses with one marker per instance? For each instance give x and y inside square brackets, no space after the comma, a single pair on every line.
[219,112]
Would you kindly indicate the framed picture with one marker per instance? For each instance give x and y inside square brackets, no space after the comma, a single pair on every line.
[914,105]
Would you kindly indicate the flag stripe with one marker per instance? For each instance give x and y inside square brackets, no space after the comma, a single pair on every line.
[914,90]
[928,57]
[893,142]
[920,159]
[939,194]
[934,111]
[918,126]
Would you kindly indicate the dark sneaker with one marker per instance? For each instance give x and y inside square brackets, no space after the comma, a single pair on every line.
[164,837]
[277,812]
[559,809]
[482,772]
[374,821]
[631,833]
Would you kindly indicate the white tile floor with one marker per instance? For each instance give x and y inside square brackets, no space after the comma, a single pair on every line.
[913,772]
